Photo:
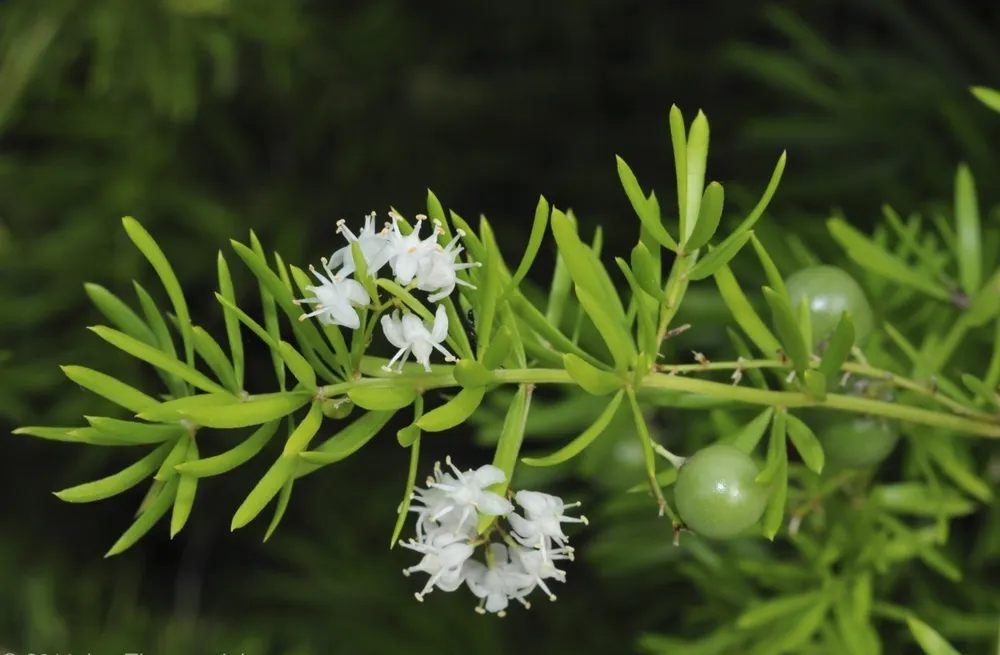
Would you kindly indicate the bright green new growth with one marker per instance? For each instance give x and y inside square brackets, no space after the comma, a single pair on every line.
[802,355]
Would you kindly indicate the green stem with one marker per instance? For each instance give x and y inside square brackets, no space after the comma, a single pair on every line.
[863,370]
[665,381]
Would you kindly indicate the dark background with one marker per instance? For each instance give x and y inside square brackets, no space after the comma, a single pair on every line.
[205,119]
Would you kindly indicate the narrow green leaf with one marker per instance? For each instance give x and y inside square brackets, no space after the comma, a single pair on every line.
[553,338]
[806,443]
[645,307]
[158,358]
[187,489]
[210,351]
[987,96]
[765,199]
[743,312]
[284,496]
[232,458]
[70,435]
[788,329]
[580,443]
[109,388]
[870,256]
[981,390]
[119,482]
[591,379]
[303,434]
[454,412]
[411,481]
[774,609]
[815,384]
[134,432]
[774,514]
[170,410]
[774,279]
[264,492]
[538,229]
[121,315]
[838,349]
[164,340]
[361,273]
[435,212]
[942,453]
[298,365]
[751,434]
[804,626]
[584,265]
[930,641]
[916,499]
[614,334]
[640,204]
[306,330]
[270,310]
[509,445]
[499,349]
[382,398]
[648,456]
[777,453]
[408,299]
[709,215]
[255,410]
[559,292]
[719,256]
[489,294]
[647,274]
[227,291]
[804,314]
[348,441]
[145,243]
[970,248]
[678,142]
[697,157]
[149,517]
[176,456]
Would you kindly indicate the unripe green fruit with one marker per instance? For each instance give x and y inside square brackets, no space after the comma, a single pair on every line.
[858,442]
[829,291]
[717,494]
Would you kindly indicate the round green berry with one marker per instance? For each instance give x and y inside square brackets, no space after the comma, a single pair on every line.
[717,494]
[858,442]
[830,291]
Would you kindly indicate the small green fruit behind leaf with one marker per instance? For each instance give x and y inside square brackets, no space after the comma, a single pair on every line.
[829,291]
[716,493]
[857,442]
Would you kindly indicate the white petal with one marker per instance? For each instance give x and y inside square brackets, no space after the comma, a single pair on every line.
[440,329]
[342,313]
[393,331]
[489,475]
[355,292]
[493,505]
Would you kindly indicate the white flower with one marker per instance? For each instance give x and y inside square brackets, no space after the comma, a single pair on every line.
[497,584]
[411,335]
[538,566]
[436,269]
[444,559]
[405,252]
[451,500]
[335,299]
[374,248]
[542,520]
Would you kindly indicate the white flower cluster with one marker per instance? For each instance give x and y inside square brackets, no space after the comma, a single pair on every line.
[447,515]
[424,263]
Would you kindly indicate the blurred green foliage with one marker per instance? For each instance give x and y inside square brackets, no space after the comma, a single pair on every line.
[206,118]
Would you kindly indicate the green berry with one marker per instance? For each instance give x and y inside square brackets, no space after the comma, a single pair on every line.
[717,494]
[858,442]
[829,291]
